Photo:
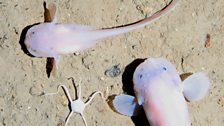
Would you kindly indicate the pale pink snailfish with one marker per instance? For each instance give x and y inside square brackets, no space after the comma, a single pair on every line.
[160,91]
[50,39]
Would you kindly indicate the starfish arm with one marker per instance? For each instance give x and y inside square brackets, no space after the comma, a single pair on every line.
[92,96]
[83,118]
[68,117]
[65,90]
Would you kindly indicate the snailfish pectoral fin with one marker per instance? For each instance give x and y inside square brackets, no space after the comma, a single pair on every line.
[196,86]
[126,105]
[55,65]
[50,13]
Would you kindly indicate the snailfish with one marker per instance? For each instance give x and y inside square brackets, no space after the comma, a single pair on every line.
[160,91]
[51,39]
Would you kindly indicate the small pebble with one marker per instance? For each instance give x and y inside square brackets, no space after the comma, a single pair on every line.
[36,90]
[221,101]
[102,78]
[61,124]
[113,71]
[193,14]
[208,43]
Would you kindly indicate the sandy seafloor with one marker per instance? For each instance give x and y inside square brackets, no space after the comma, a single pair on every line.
[178,37]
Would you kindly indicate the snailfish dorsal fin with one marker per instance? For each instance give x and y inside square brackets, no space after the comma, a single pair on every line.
[126,105]
[196,86]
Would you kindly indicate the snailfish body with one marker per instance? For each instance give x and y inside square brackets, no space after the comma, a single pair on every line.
[51,39]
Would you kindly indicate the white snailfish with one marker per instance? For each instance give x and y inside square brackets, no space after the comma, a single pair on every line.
[160,91]
[50,39]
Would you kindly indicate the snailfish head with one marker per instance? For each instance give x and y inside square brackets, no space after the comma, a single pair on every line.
[151,69]
[35,41]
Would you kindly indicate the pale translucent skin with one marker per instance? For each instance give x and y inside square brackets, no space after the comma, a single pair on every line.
[52,39]
[158,89]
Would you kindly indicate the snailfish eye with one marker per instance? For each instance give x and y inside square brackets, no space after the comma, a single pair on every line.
[140,76]
[164,68]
